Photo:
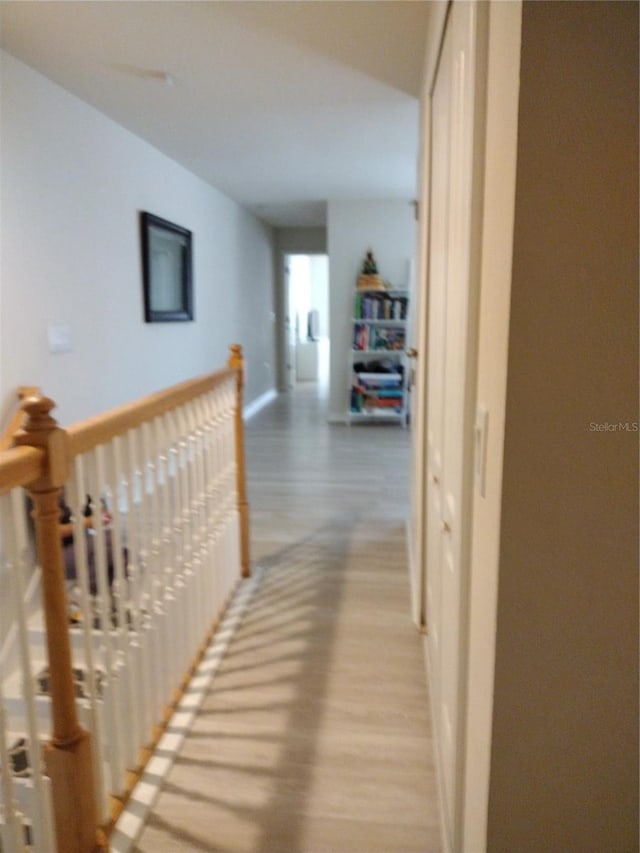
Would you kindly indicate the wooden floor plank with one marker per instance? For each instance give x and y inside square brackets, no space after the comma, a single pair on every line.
[315,735]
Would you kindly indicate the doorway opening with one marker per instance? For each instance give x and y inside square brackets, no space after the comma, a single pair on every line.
[307,320]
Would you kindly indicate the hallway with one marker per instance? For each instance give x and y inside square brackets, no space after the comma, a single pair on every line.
[315,733]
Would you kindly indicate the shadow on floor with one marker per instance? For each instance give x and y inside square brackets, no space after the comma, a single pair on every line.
[247,764]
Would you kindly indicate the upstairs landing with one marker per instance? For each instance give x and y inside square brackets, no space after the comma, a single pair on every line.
[315,733]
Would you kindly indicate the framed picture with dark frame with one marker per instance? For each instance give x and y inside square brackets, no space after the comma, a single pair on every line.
[166,270]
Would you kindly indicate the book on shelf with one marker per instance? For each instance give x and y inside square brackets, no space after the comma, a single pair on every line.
[366,337]
[383,403]
[379,334]
[370,405]
[386,338]
[361,336]
[379,306]
[380,380]
[383,394]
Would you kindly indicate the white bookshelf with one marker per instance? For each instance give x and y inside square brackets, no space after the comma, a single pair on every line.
[377,360]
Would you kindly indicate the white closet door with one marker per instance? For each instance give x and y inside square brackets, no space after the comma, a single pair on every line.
[438,264]
[451,383]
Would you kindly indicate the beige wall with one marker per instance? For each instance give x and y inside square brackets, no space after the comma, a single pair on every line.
[564,763]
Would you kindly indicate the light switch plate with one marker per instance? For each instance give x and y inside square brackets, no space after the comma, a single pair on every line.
[481,429]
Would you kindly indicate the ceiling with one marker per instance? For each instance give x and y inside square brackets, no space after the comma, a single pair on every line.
[281,105]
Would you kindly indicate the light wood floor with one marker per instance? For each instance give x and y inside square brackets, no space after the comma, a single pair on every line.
[315,735]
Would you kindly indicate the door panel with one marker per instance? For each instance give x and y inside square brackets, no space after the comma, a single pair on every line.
[290,328]
[436,361]
[450,391]
[438,261]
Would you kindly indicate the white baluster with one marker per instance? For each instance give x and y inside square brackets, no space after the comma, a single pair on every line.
[188,531]
[207,482]
[218,495]
[210,499]
[42,819]
[167,565]
[185,534]
[153,604]
[198,514]
[111,687]
[126,641]
[176,522]
[207,468]
[12,817]
[11,820]
[76,492]
[136,578]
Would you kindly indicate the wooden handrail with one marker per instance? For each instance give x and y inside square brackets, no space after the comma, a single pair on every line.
[236,362]
[68,755]
[40,461]
[6,439]
[102,428]
[19,466]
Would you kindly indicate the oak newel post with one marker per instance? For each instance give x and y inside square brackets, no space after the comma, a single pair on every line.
[236,362]
[68,757]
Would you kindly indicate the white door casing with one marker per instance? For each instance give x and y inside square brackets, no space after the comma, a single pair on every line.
[419,306]
[451,376]
[420,312]
[438,261]
[290,328]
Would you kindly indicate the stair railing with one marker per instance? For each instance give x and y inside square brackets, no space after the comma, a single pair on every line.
[154,541]
[15,421]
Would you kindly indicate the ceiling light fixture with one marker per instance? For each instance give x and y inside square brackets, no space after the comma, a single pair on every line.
[160,77]
[154,75]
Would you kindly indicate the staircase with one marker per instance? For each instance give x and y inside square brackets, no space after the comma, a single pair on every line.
[106,633]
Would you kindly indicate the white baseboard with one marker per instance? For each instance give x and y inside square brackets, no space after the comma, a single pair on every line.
[437,747]
[259,403]
[414,603]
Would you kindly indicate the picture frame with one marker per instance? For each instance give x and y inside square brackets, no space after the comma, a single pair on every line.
[167,265]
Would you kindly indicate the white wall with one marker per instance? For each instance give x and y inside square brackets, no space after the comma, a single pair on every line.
[353,227]
[300,293]
[309,283]
[291,241]
[72,185]
[320,292]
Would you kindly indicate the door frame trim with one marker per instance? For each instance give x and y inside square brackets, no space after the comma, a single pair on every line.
[453,833]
